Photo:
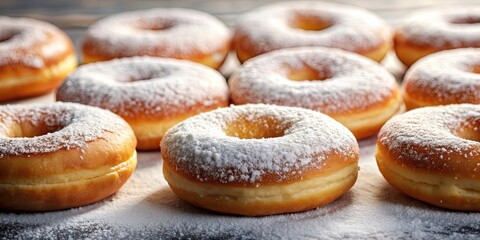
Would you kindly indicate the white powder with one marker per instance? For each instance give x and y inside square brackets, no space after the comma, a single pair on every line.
[354,83]
[180,33]
[200,147]
[146,208]
[447,77]
[269,27]
[21,38]
[77,124]
[446,27]
[147,86]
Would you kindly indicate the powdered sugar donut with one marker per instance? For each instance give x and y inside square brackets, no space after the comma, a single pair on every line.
[151,94]
[35,57]
[442,78]
[172,33]
[433,154]
[353,90]
[259,159]
[437,29]
[297,24]
[59,155]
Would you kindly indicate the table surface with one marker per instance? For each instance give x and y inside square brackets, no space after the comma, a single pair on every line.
[146,208]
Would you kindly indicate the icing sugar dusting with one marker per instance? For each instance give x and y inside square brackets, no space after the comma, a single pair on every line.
[18,38]
[201,147]
[355,83]
[446,27]
[146,208]
[145,85]
[447,77]
[78,125]
[429,136]
[269,28]
[173,32]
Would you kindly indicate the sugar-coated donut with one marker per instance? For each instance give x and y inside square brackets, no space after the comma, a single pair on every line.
[433,154]
[437,29]
[172,33]
[151,94]
[260,159]
[35,57]
[62,155]
[352,89]
[447,77]
[298,24]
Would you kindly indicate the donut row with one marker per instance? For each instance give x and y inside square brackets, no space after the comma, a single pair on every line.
[253,159]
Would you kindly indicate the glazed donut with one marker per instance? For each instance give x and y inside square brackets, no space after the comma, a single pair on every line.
[352,89]
[437,29]
[443,78]
[151,94]
[298,24]
[35,57]
[260,160]
[433,154]
[171,33]
[62,155]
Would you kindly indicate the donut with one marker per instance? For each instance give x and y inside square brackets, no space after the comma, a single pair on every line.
[171,33]
[62,155]
[352,89]
[35,57]
[437,29]
[298,24]
[433,154]
[446,77]
[260,159]
[151,94]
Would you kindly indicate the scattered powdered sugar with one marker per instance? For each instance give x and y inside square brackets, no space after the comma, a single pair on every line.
[445,27]
[20,39]
[430,137]
[269,28]
[77,125]
[145,85]
[354,83]
[200,146]
[447,77]
[146,208]
[170,32]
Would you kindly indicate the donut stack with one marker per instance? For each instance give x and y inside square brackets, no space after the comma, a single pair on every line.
[309,87]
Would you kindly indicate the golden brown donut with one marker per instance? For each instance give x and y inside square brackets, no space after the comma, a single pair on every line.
[352,89]
[311,23]
[437,29]
[170,32]
[447,77]
[62,155]
[151,94]
[35,57]
[260,160]
[433,154]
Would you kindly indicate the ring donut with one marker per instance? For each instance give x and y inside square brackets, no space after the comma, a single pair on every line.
[352,89]
[447,77]
[437,29]
[433,154]
[151,94]
[35,57]
[260,159]
[170,33]
[298,24]
[61,155]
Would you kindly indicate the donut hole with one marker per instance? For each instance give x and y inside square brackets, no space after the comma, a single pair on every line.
[260,128]
[470,131]
[155,25]
[6,37]
[27,130]
[308,74]
[309,23]
[466,20]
